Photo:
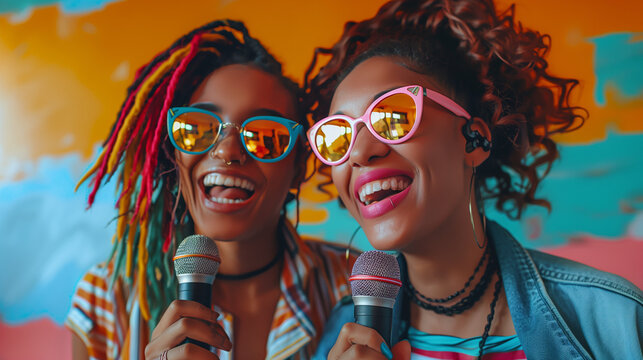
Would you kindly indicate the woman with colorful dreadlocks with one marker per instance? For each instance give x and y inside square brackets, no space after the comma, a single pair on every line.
[424,112]
[208,141]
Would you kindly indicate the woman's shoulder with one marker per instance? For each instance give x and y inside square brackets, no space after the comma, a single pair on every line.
[91,315]
[95,279]
[554,271]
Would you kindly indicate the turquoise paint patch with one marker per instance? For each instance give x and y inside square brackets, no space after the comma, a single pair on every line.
[591,189]
[618,63]
[67,6]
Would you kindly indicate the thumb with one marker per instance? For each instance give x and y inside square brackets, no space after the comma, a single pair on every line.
[402,350]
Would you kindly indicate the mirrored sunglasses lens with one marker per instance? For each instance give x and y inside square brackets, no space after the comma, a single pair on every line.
[194,131]
[266,139]
[333,139]
[394,116]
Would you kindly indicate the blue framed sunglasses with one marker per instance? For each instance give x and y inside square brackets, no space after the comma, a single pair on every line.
[265,138]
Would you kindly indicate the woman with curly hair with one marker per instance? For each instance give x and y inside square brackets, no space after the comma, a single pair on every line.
[210,140]
[425,112]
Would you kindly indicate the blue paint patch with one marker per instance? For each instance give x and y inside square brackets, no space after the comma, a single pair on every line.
[49,240]
[618,63]
[338,228]
[67,6]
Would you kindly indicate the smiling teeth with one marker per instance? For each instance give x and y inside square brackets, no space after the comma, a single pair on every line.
[226,201]
[397,183]
[215,179]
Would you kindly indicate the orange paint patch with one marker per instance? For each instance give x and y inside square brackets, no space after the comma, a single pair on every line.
[63,77]
[313,216]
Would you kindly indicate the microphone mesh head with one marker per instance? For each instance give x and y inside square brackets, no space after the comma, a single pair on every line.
[197,254]
[376,263]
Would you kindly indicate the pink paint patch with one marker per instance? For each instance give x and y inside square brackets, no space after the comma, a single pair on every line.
[40,339]
[621,257]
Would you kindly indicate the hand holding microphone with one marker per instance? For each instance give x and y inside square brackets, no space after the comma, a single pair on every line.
[189,326]
[375,282]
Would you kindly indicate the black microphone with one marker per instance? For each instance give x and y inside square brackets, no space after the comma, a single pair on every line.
[375,282]
[196,263]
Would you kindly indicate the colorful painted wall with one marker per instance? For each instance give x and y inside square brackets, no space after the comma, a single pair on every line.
[64,67]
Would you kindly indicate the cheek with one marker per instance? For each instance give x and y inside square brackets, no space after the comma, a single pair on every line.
[185,165]
[341,178]
[279,176]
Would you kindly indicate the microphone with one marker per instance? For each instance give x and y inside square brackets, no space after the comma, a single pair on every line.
[196,263]
[375,282]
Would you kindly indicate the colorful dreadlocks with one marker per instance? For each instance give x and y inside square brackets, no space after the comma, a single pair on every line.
[139,150]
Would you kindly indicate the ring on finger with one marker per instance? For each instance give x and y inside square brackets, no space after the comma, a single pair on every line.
[164,355]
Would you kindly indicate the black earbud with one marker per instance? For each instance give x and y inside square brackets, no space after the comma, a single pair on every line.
[474,138]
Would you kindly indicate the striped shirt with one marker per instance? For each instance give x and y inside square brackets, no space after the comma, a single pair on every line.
[441,347]
[313,280]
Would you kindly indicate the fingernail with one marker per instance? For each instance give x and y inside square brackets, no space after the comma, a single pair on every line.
[386,351]
[215,316]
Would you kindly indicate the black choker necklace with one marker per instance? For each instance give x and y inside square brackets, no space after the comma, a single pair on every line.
[459,292]
[463,304]
[280,253]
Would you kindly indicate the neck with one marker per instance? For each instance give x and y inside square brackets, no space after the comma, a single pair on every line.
[242,256]
[441,262]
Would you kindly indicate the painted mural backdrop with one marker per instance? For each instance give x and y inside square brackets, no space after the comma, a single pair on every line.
[64,67]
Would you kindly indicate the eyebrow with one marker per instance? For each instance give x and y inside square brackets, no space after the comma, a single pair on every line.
[207,106]
[374,98]
[256,112]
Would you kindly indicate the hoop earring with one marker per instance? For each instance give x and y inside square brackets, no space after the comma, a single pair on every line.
[297,206]
[178,195]
[348,247]
[484,218]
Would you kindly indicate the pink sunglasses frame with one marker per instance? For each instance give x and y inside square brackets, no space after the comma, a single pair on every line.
[416,92]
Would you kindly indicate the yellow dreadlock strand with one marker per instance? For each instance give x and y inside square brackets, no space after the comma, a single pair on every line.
[92,170]
[129,250]
[142,267]
[139,101]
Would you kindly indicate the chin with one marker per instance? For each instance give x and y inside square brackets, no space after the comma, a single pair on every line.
[222,233]
[385,237]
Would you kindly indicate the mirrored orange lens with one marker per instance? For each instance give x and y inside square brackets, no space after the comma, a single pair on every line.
[393,117]
[195,131]
[266,139]
[333,139]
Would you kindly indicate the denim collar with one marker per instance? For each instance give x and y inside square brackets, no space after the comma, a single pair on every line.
[535,317]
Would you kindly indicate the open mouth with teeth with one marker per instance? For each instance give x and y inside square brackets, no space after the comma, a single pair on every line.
[226,189]
[378,190]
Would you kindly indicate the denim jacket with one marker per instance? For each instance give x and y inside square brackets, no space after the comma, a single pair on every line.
[561,309]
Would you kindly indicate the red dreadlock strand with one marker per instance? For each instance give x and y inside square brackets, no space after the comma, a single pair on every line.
[150,108]
[151,160]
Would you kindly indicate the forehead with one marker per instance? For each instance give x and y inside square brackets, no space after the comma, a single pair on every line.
[237,87]
[371,77]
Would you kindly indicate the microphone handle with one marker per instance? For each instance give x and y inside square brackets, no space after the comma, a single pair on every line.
[378,318]
[201,293]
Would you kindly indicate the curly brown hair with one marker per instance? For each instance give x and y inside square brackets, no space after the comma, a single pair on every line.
[493,66]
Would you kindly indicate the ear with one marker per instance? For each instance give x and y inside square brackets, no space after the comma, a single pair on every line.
[478,141]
